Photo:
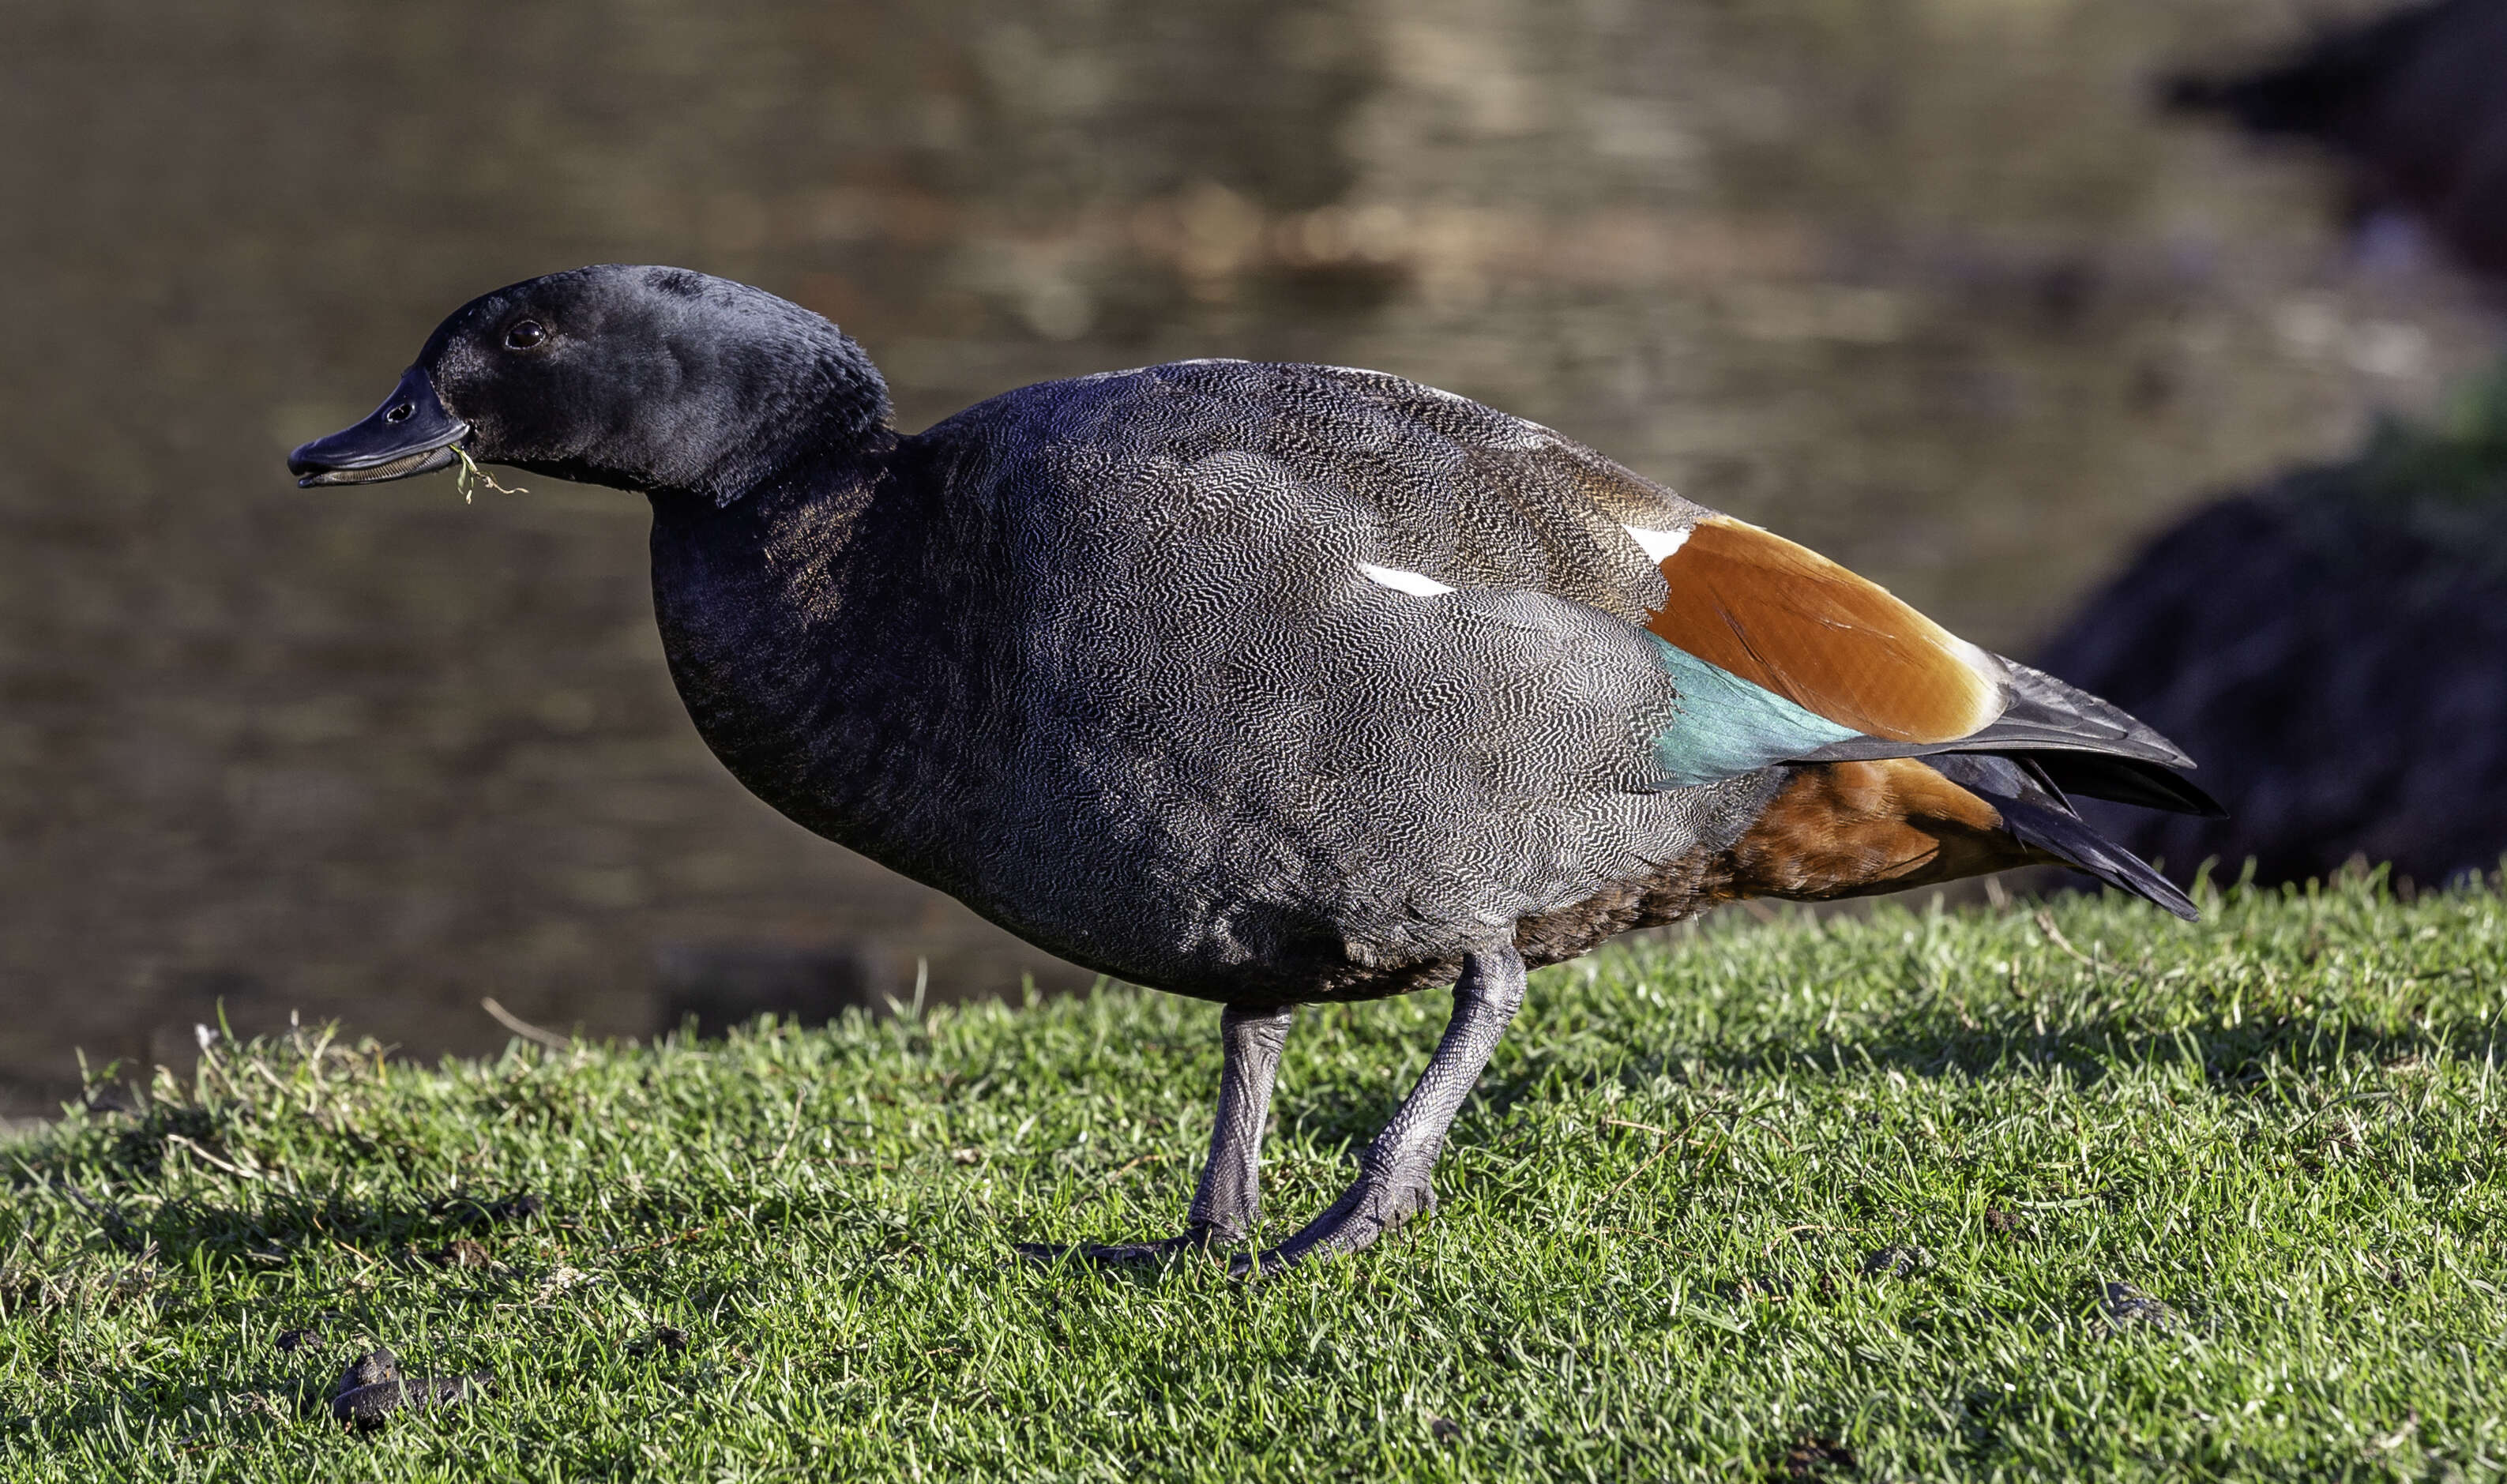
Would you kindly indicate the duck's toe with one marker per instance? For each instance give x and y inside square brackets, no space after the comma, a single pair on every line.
[1364,1212]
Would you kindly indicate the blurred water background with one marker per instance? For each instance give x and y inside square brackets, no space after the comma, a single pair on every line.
[1931,285]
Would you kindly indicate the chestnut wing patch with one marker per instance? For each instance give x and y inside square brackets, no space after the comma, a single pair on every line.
[1791,622]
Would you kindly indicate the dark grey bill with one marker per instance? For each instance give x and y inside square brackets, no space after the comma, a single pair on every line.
[410,433]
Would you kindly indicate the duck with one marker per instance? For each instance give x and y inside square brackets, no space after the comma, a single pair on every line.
[1266,684]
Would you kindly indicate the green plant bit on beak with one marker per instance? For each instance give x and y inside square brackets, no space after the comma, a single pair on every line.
[472,475]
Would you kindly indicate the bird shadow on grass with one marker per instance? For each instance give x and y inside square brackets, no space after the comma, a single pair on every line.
[2256,1060]
[2235,1058]
[1936,1042]
[1929,1039]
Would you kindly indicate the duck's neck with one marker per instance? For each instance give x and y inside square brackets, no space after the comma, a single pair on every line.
[805,637]
[795,395]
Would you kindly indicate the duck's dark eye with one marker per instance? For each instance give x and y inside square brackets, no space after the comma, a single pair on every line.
[400,414]
[525,335]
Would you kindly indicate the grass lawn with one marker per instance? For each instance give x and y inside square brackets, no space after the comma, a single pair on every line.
[1800,1199]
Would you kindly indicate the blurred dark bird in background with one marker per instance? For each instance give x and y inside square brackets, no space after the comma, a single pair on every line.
[2334,648]
[2337,639]
[2414,106]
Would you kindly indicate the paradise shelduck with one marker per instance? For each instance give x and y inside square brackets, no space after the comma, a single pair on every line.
[1266,684]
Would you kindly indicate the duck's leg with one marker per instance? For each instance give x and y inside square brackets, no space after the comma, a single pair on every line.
[1229,1195]
[1393,1174]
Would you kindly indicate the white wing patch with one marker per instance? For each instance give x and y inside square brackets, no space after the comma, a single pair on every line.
[1657,544]
[1401,581]
[1986,662]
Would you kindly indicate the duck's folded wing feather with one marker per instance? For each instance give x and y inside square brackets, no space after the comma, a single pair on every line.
[1838,647]
[1789,620]
[1784,655]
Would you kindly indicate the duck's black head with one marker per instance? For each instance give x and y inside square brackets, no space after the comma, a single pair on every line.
[651,378]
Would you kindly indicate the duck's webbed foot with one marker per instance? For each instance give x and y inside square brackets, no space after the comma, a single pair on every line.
[1230,1197]
[1392,1184]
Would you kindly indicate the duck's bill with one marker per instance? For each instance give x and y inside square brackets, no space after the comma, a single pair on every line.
[410,434]
[426,461]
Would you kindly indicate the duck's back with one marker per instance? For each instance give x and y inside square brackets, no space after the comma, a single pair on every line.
[1309,680]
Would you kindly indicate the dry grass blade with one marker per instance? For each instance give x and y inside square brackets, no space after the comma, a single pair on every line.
[2054,935]
[472,475]
[523,1027]
[203,1155]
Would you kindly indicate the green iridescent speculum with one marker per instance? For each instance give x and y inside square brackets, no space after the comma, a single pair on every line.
[1728,726]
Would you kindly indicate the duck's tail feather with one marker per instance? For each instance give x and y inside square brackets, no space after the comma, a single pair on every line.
[2035,812]
[2074,742]
[2125,781]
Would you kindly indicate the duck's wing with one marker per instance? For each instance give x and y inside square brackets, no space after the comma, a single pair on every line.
[1746,605]
[1917,755]
[1781,655]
